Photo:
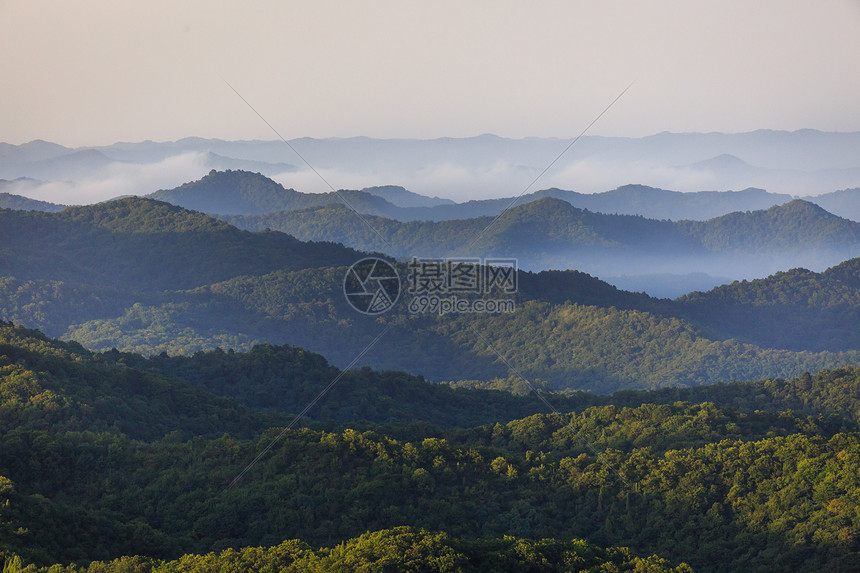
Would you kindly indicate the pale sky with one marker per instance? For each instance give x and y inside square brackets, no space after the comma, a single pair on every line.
[101,71]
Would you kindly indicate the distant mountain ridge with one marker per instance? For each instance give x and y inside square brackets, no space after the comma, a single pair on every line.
[210,194]
[802,163]
[653,203]
[551,233]
[845,203]
[72,165]
[400,197]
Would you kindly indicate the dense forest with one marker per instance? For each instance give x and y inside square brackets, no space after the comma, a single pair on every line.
[595,347]
[400,549]
[764,474]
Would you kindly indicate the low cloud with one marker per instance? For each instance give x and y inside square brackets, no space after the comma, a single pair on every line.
[462,183]
[447,179]
[593,175]
[116,180]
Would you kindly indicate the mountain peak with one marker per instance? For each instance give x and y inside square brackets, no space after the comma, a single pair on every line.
[143,215]
[401,197]
[802,206]
[723,161]
[549,205]
[638,189]
[227,192]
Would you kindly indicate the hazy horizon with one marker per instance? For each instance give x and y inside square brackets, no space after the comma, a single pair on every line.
[106,72]
[94,75]
[800,163]
[593,133]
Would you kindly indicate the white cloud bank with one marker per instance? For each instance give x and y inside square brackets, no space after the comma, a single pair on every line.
[116,180]
[461,183]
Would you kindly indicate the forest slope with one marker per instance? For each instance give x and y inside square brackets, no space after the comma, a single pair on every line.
[766,490]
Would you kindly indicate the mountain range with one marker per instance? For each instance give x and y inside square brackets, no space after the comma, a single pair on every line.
[247,191]
[550,233]
[244,193]
[145,276]
[639,254]
[545,229]
[802,163]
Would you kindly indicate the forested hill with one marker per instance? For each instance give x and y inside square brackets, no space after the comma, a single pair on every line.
[607,341]
[395,549]
[49,385]
[103,455]
[795,226]
[10,201]
[142,244]
[242,192]
[797,309]
[232,192]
